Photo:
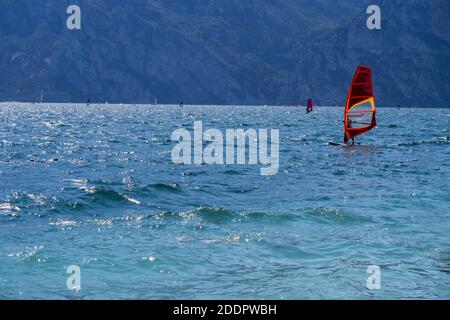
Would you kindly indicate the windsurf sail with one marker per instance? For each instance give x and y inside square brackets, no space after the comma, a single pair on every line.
[309,106]
[360,109]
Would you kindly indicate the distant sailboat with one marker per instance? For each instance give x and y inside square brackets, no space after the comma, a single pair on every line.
[309,106]
[42,97]
[360,109]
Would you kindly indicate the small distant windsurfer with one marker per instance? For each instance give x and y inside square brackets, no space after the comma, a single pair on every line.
[181,104]
[88,103]
[309,106]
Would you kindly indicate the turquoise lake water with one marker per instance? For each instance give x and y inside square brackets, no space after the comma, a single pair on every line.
[95,187]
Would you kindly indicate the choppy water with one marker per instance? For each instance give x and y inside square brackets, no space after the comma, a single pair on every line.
[95,187]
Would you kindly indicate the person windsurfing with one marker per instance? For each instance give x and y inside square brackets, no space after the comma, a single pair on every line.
[360,109]
[349,125]
[309,106]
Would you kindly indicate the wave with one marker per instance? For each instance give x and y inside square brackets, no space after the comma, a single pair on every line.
[434,140]
[334,215]
[9,209]
[95,199]
[64,223]
[209,215]
[171,187]
[216,215]
[200,217]
[9,206]
[39,205]
[232,172]
[29,254]
[105,195]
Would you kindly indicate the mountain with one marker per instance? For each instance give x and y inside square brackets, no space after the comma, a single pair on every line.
[223,51]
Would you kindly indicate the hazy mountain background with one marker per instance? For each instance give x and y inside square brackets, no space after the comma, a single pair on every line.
[224,51]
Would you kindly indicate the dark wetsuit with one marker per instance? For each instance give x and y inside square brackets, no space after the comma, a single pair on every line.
[345,134]
[346,139]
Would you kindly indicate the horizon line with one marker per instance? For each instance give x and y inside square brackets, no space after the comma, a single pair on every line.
[211,105]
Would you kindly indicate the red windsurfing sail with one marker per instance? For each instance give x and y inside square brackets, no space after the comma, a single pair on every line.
[309,106]
[360,109]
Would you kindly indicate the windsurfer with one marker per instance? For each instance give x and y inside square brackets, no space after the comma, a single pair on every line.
[309,107]
[346,139]
[349,125]
[360,105]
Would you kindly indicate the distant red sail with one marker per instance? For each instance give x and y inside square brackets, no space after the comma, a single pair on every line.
[360,109]
[309,107]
